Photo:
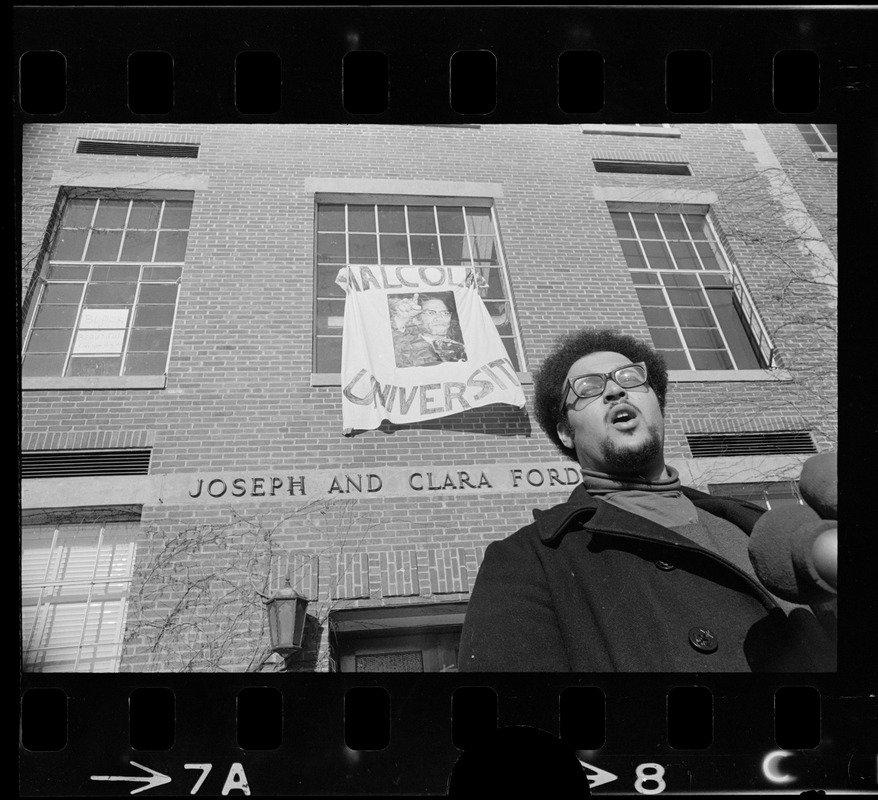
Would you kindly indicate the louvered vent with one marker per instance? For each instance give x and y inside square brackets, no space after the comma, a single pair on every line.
[84,463]
[642,167]
[750,444]
[151,150]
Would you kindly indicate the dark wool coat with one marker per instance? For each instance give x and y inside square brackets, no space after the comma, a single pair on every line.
[590,587]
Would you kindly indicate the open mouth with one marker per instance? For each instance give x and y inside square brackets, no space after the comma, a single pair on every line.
[623,417]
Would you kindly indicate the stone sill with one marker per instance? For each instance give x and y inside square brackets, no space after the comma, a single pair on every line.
[96,382]
[826,156]
[630,130]
[717,375]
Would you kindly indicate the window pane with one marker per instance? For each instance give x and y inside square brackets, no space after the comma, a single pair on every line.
[94,366]
[394,249]
[69,245]
[62,293]
[115,274]
[710,359]
[146,363]
[647,227]
[455,250]
[509,344]
[657,316]
[622,223]
[39,366]
[651,297]
[111,214]
[391,219]
[331,248]
[499,313]
[162,273]
[172,246]
[484,250]
[451,219]
[361,218]
[640,278]
[676,359]
[363,248]
[684,254]
[707,255]
[150,340]
[330,218]
[178,214]
[154,316]
[158,293]
[56,316]
[421,219]
[705,338]
[330,316]
[694,317]
[67,272]
[671,279]
[425,250]
[665,337]
[686,297]
[110,294]
[479,222]
[104,246]
[52,340]
[326,285]
[672,225]
[145,214]
[725,307]
[697,226]
[657,255]
[633,255]
[328,355]
[494,288]
[78,212]
[98,342]
[138,246]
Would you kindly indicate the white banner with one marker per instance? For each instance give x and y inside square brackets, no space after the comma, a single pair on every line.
[418,344]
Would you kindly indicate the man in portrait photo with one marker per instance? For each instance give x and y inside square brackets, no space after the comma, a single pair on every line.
[420,327]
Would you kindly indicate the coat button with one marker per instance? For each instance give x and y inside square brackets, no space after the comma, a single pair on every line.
[665,565]
[703,640]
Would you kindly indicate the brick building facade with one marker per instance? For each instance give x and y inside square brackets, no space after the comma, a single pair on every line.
[182,447]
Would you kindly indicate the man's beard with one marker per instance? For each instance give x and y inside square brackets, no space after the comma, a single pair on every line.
[633,461]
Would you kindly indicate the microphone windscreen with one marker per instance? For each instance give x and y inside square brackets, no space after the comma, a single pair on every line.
[819,484]
[780,550]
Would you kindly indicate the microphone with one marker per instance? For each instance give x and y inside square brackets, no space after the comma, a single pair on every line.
[794,553]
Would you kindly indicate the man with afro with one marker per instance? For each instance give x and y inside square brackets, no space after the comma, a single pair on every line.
[634,572]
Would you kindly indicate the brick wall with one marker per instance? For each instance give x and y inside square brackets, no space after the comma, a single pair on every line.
[239,397]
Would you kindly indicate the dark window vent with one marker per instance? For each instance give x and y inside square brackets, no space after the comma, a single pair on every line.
[84,463]
[642,167]
[104,148]
[705,445]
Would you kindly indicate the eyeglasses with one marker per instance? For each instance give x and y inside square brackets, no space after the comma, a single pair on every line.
[584,386]
[431,313]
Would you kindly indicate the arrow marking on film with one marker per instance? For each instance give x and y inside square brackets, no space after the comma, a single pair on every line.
[155,779]
[597,776]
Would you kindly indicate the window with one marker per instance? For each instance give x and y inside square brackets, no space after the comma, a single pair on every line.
[406,233]
[75,576]
[820,138]
[699,313]
[108,293]
[769,495]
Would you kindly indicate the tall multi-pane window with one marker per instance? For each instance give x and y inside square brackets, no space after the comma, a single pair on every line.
[108,290]
[75,577]
[820,138]
[700,314]
[410,233]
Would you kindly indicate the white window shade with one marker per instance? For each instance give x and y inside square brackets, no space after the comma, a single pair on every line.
[75,581]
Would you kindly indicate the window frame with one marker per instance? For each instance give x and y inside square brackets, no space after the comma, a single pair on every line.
[825,152]
[321,198]
[751,322]
[32,641]
[41,283]
[787,490]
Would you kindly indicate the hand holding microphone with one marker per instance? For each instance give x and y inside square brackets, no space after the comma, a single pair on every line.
[794,551]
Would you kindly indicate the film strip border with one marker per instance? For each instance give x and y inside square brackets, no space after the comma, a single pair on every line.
[458,65]
[427,735]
